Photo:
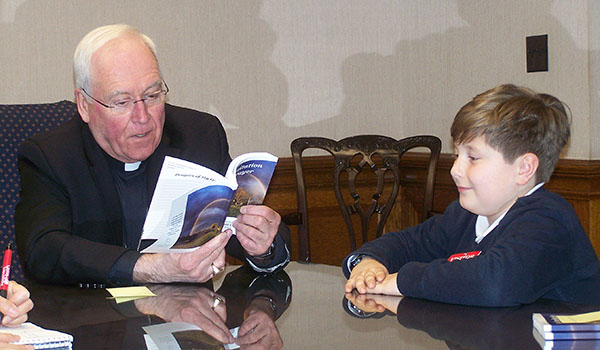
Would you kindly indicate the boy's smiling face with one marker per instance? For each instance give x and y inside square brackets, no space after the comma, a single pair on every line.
[487,184]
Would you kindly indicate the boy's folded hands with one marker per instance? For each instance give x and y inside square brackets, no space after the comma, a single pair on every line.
[370,276]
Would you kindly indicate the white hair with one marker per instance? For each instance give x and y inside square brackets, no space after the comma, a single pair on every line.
[92,42]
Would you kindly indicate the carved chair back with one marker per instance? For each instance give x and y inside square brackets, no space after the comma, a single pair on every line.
[380,154]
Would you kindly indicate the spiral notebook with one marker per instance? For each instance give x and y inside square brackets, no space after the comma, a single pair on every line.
[39,337]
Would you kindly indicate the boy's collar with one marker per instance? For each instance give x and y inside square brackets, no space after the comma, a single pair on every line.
[482,226]
[534,188]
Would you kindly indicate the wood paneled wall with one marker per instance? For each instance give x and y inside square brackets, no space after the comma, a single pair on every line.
[576,180]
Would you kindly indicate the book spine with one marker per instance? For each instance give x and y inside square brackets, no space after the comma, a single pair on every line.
[571,335]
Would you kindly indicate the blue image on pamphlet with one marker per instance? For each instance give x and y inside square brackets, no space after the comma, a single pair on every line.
[253,178]
[204,215]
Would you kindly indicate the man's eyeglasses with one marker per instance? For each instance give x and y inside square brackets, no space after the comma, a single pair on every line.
[126,104]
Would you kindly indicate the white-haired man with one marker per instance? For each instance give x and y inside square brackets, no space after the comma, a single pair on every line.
[86,185]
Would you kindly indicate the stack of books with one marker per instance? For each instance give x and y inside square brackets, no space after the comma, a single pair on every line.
[580,331]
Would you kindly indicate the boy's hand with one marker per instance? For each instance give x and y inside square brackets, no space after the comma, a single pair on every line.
[388,286]
[374,302]
[366,275]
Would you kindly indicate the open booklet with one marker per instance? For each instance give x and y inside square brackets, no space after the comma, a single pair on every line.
[191,202]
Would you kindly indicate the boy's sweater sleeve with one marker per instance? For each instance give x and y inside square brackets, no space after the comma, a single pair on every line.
[424,242]
[529,254]
[539,249]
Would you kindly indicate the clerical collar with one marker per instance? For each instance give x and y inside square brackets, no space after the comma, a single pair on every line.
[132,166]
[120,167]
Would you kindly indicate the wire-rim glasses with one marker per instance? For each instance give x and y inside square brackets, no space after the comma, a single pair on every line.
[127,104]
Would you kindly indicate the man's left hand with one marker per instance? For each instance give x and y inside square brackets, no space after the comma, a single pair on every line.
[256,228]
[258,330]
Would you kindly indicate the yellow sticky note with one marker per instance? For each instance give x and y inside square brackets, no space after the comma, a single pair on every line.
[590,317]
[124,294]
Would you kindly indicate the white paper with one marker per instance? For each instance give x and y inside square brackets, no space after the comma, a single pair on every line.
[160,336]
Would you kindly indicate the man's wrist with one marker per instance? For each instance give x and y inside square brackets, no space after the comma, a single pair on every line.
[267,301]
[144,270]
[121,273]
[267,254]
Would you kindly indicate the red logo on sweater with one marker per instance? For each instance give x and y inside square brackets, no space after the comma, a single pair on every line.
[464,256]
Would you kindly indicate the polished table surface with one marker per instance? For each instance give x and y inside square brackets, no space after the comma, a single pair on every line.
[311,310]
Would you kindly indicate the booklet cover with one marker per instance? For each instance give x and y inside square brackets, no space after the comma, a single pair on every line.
[191,202]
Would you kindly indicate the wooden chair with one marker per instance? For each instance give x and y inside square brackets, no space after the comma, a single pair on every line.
[368,149]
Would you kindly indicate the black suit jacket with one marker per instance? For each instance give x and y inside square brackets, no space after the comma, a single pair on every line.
[69,222]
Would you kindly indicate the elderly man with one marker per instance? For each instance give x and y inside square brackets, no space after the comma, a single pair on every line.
[86,185]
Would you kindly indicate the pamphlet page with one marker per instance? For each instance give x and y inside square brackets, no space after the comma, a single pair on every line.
[188,207]
[252,172]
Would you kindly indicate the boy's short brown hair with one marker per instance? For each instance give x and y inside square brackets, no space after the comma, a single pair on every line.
[516,120]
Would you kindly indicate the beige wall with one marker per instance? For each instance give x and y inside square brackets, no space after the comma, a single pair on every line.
[594,68]
[273,70]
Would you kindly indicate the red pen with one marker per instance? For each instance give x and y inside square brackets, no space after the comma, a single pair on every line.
[5,271]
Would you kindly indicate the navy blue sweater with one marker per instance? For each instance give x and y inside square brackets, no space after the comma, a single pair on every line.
[539,250]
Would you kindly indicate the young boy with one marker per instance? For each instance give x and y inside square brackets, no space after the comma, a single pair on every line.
[506,241]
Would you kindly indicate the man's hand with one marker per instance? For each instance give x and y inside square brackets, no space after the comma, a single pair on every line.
[196,266]
[258,331]
[16,305]
[366,275]
[191,304]
[256,227]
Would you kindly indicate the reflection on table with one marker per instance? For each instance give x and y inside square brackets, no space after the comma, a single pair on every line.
[318,316]
[244,307]
[245,302]
[461,327]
